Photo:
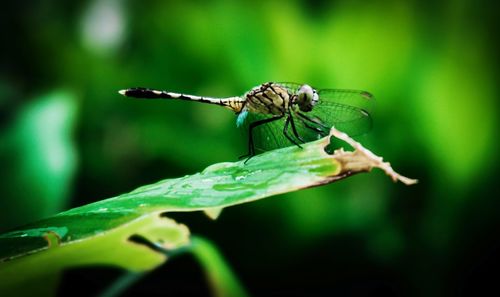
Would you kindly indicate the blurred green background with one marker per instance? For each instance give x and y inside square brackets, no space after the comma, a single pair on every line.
[68,138]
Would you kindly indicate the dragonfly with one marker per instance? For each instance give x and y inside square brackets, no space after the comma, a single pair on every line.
[281,114]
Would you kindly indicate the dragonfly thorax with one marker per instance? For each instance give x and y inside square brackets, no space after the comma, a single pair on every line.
[268,98]
[306,98]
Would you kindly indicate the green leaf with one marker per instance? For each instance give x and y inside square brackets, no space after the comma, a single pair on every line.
[106,232]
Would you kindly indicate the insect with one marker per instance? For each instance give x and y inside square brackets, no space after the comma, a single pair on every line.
[280,114]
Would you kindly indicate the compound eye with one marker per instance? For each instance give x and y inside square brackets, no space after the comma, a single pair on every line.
[306,92]
[306,97]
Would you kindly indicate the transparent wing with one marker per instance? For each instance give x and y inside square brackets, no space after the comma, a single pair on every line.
[267,136]
[347,110]
[292,87]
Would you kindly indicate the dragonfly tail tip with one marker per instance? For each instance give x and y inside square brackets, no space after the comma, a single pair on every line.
[122,92]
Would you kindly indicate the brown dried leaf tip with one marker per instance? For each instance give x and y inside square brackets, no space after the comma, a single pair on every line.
[362,159]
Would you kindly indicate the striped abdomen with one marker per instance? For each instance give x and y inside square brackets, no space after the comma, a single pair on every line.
[233,103]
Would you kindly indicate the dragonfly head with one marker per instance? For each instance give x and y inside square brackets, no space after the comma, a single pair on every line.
[307,97]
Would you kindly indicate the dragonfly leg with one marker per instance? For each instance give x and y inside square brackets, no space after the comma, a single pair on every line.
[285,131]
[315,129]
[308,119]
[294,130]
[251,148]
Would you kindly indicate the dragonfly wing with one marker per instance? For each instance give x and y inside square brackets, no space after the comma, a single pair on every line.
[267,136]
[270,136]
[292,87]
[347,110]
